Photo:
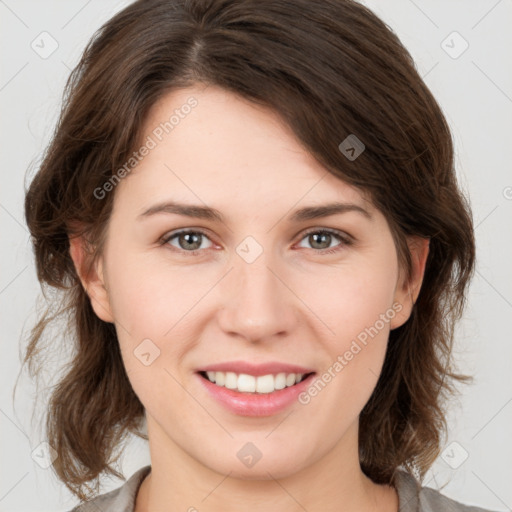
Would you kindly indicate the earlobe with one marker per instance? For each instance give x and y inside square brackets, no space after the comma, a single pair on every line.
[407,292]
[93,281]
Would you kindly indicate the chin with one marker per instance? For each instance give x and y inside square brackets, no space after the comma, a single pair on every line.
[261,470]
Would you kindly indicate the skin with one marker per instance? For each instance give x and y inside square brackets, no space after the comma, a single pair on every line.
[292,304]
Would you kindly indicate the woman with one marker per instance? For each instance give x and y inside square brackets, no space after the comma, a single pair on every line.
[253,213]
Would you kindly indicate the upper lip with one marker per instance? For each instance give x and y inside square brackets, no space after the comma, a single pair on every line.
[272,367]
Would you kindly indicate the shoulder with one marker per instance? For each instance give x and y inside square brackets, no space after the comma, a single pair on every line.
[121,499]
[414,498]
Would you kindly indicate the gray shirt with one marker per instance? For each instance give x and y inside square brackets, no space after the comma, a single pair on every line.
[412,497]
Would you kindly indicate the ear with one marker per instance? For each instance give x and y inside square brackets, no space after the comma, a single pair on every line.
[407,290]
[93,280]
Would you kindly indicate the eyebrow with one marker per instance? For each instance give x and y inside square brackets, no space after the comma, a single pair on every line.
[208,213]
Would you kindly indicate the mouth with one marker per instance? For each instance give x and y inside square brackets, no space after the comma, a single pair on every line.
[247,388]
[254,385]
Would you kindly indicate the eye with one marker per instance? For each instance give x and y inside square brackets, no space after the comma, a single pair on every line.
[320,240]
[190,241]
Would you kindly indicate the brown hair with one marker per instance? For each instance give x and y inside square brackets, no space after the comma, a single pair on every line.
[329,68]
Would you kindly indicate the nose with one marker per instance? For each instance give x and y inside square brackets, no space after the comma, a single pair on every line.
[257,302]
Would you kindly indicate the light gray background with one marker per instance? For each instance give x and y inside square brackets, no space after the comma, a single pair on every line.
[475,92]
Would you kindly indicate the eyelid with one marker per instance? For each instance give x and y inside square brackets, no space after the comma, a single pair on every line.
[171,234]
[344,237]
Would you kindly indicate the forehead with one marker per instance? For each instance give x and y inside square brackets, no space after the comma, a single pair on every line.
[210,145]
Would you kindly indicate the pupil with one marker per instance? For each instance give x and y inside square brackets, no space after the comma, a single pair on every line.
[321,235]
[186,236]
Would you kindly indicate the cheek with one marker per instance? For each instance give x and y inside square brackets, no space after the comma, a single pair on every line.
[353,363]
[350,298]
[150,297]
[154,330]
[356,304]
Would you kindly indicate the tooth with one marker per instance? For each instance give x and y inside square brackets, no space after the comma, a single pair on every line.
[219,378]
[231,380]
[265,384]
[250,384]
[246,383]
[290,379]
[280,381]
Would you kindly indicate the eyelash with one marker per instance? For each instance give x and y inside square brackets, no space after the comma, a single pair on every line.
[343,238]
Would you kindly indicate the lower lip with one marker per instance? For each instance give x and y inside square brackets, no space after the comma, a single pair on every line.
[256,404]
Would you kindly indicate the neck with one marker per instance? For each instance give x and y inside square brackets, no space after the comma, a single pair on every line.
[178,481]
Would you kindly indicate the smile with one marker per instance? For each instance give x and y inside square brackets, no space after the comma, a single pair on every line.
[250,395]
[245,383]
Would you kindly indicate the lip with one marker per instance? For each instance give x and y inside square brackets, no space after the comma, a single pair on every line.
[255,404]
[257,370]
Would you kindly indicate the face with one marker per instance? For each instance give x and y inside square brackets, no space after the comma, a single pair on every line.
[255,283]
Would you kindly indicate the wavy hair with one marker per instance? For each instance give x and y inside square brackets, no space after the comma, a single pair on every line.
[329,68]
